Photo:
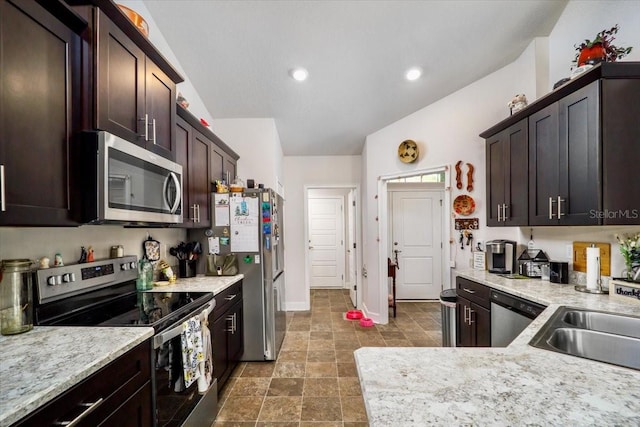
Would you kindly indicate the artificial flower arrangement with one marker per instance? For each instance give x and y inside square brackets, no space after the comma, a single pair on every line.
[630,250]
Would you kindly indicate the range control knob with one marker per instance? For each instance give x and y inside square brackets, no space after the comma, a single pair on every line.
[54,280]
[72,277]
[124,267]
[66,278]
[132,265]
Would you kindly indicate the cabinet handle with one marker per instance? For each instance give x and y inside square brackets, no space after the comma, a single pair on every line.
[470,320]
[471,291]
[3,204]
[145,119]
[230,297]
[504,211]
[235,323]
[551,202]
[560,214]
[465,314]
[498,212]
[230,319]
[153,122]
[90,408]
[198,213]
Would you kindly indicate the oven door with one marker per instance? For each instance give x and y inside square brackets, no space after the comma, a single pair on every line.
[175,405]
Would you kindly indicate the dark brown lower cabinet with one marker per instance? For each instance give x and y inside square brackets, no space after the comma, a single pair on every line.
[118,394]
[228,335]
[473,314]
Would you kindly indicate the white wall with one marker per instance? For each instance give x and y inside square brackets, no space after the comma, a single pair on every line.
[446,131]
[35,243]
[258,144]
[299,173]
[583,19]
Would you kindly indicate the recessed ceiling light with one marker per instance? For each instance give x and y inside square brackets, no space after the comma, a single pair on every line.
[299,74]
[413,73]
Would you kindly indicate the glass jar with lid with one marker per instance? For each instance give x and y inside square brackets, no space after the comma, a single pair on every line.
[16,296]
[237,185]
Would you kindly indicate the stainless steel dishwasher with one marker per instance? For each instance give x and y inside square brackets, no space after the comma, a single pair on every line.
[510,315]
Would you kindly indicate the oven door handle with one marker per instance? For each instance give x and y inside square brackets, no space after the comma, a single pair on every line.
[176,329]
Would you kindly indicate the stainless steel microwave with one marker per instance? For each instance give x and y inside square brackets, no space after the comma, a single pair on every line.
[123,183]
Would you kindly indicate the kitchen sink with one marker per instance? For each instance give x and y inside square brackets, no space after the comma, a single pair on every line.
[596,335]
[604,322]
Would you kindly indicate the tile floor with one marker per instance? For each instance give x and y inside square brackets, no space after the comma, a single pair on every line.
[314,382]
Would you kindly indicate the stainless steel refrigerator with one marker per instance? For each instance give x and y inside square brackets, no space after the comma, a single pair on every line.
[255,234]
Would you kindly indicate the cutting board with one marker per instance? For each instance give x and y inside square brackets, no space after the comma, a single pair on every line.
[580,257]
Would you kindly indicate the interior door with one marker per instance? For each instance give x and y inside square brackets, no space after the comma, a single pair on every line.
[351,248]
[417,236]
[326,242]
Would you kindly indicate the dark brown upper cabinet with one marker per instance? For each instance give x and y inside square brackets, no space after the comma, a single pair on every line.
[193,153]
[135,98]
[583,151]
[40,109]
[507,178]
[129,87]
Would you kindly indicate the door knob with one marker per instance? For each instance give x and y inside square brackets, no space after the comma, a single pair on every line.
[310,247]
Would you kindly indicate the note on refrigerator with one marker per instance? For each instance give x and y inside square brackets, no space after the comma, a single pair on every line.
[245,223]
[221,209]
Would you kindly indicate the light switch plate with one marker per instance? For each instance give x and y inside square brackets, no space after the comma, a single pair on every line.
[569,252]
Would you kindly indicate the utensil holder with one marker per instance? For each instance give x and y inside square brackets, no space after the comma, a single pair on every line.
[187,268]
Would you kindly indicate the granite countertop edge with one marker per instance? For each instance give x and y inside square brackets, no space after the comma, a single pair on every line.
[201,283]
[23,395]
[473,386]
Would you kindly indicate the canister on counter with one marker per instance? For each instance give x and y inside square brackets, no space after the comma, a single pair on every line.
[117,251]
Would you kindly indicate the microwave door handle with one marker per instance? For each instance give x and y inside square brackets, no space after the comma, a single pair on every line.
[176,202]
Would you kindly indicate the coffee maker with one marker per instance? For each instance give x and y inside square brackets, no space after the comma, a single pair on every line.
[501,256]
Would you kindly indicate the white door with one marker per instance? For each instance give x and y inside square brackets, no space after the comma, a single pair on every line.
[326,242]
[417,236]
[351,249]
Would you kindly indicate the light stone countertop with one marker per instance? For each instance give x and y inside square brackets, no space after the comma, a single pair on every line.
[41,364]
[200,283]
[37,366]
[517,385]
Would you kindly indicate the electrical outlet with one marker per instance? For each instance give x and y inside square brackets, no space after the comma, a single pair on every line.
[569,251]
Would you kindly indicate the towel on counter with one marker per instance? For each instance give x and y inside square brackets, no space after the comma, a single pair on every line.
[192,352]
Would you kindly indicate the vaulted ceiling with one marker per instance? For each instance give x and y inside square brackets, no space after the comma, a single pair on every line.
[238,55]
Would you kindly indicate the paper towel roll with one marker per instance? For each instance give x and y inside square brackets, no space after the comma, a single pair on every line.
[593,268]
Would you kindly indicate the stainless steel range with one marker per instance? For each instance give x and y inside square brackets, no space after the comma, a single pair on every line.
[103,293]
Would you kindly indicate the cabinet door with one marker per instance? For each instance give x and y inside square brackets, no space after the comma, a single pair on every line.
[218,164]
[481,325]
[544,166]
[160,107]
[507,176]
[135,412]
[120,83]
[463,330]
[220,348]
[236,337]
[579,156]
[230,168]
[39,90]
[620,151]
[496,166]
[183,136]
[199,181]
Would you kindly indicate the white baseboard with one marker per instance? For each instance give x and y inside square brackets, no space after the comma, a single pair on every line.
[297,306]
[370,314]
